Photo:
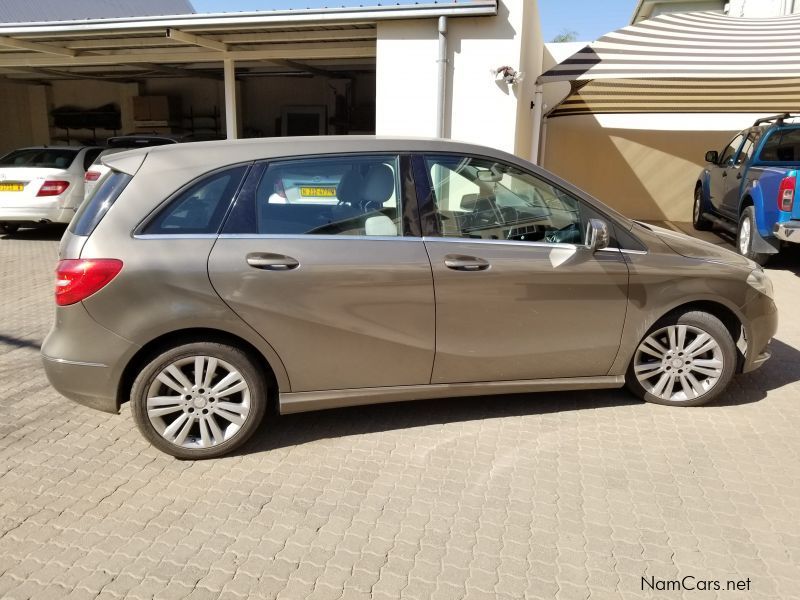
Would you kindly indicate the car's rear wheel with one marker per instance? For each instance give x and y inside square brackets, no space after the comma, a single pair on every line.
[746,234]
[686,359]
[698,220]
[10,228]
[199,400]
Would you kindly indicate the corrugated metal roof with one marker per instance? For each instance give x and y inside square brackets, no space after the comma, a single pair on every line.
[27,11]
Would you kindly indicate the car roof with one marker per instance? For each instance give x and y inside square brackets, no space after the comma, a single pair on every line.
[217,154]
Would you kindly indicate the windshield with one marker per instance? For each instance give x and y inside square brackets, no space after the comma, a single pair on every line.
[49,158]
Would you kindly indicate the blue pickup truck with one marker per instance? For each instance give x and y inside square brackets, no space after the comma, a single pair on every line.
[749,189]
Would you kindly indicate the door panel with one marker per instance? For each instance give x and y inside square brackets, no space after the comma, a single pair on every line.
[721,173]
[537,311]
[352,313]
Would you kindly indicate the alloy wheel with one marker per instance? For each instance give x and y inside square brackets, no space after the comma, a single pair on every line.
[744,236]
[678,363]
[198,402]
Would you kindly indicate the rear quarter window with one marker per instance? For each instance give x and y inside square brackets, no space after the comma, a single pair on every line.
[782,145]
[91,212]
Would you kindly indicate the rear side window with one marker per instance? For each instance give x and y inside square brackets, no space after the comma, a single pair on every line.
[782,145]
[93,210]
[199,208]
[48,158]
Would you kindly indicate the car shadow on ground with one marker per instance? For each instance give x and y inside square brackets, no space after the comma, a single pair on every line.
[281,431]
[50,233]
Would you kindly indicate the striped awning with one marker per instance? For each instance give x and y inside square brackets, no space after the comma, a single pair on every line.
[686,62]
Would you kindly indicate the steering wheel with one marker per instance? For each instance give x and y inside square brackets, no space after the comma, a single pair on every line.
[569,234]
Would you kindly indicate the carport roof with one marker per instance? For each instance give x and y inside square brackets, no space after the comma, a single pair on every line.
[33,49]
[697,62]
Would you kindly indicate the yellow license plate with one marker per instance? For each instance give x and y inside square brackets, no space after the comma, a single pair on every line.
[318,192]
[11,187]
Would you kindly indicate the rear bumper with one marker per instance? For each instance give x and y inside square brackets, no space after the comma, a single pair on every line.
[83,360]
[36,214]
[788,231]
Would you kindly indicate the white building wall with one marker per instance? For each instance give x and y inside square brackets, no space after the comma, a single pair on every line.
[478,108]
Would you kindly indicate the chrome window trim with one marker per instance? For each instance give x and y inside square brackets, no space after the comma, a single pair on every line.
[311,236]
[175,236]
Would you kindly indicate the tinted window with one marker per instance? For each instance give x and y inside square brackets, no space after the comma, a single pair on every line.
[49,158]
[91,212]
[783,145]
[484,199]
[90,157]
[353,195]
[747,150]
[199,208]
[730,150]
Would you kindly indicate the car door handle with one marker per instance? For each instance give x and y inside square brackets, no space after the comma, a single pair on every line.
[465,263]
[724,173]
[271,262]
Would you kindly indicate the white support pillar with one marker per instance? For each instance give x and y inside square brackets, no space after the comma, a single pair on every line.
[536,134]
[231,126]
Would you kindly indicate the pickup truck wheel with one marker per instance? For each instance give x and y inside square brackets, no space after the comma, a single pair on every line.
[698,220]
[745,235]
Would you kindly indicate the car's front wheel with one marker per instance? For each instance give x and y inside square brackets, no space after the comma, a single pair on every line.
[686,359]
[746,234]
[199,400]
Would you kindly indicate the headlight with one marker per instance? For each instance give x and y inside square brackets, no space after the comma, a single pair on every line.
[759,280]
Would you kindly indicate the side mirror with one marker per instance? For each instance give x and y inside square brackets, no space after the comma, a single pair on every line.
[597,235]
[712,156]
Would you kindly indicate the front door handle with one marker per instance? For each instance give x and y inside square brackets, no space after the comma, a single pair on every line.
[465,263]
[271,262]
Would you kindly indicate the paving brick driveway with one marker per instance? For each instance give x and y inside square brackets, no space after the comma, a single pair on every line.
[568,495]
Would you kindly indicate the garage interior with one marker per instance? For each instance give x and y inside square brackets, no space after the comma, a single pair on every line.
[204,77]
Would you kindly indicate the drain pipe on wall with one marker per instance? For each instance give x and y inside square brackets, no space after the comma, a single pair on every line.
[536,134]
[442,93]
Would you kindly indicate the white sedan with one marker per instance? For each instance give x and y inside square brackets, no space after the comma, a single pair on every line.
[42,185]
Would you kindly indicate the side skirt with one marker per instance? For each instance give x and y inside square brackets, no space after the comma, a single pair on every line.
[295,402]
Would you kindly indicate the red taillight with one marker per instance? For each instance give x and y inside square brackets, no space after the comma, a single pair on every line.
[91,176]
[53,188]
[77,279]
[786,194]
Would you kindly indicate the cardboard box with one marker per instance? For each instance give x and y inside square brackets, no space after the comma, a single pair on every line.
[152,108]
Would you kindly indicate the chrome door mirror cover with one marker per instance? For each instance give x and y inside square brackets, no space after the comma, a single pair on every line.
[597,235]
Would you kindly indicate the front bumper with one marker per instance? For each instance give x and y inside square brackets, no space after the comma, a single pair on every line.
[761,316]
[788,231]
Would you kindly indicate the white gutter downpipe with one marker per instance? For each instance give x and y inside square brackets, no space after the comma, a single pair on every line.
[442,93]
[231,126]
[536,134]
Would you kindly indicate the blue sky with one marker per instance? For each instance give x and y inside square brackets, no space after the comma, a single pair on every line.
[588,18]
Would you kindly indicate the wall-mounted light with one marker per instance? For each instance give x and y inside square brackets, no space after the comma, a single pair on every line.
[508,74]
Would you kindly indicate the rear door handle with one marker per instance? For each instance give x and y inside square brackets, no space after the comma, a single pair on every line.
[271,262]
[465,263]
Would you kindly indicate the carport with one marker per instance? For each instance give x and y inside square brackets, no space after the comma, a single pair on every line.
[319,64]
[656,77]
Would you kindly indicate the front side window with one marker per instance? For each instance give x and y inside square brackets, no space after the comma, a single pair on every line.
[730,150]
[343,195]
[487,200]
[747,150]
[200,208]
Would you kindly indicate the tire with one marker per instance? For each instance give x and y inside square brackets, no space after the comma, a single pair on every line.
[745,234]
[204,429]
[10,228]
[698,220]
[646,371]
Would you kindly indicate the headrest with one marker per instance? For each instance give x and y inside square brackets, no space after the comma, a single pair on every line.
[380,225]
[350,188]
[378,184]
